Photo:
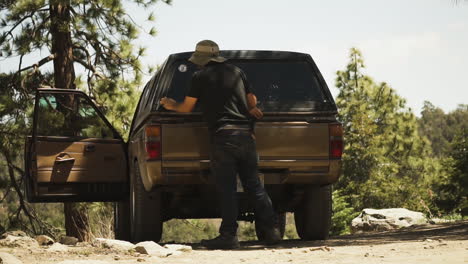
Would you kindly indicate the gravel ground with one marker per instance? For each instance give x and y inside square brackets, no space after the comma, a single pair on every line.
[440,243]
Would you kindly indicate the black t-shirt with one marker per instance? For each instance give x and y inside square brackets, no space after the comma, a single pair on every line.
[221,89]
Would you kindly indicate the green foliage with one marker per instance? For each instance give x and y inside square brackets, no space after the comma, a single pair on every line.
[432,125]
[441,128]
[102,39]
[188,231]
[246,231]
[384,163]
[343,214]
[290,230]
[451,190]
[101,219]
[448,137]
[118,104]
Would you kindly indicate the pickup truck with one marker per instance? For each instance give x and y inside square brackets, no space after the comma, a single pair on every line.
[162,172]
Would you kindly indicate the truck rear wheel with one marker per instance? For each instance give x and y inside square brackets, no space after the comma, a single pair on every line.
[282,227]
[313,216]
[145,210]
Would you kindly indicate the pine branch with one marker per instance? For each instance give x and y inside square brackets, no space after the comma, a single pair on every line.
[89,67]
[38,64]
[30,16]
[17,189]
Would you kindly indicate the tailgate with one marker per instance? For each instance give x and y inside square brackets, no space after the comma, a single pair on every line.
[292,141]
[300,141]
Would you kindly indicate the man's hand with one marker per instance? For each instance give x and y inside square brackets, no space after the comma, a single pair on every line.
[168,103]
[186,106]
[255,112]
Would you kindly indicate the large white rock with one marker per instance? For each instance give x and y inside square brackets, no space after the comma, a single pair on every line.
[16,233]
[6,258]
[114,244]
[18,241]
[386,219]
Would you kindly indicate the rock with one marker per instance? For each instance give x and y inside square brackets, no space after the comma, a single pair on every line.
[57,247]
[114,244]
[68,240]
[152,248]
[16,233]
[6,258]
[177,247]
[44,240]
[386,219]
[18,241]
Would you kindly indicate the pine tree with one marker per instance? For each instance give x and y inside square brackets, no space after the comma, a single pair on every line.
[448,134]
[433,125]
[384,163]
[451,189]
[93,36]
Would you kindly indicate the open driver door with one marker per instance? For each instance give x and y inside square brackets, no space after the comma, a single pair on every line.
[74,153]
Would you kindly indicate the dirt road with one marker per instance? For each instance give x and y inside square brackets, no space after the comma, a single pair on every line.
[442,243]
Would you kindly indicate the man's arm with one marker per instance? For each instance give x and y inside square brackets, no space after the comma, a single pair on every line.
[252,105]
[186,106]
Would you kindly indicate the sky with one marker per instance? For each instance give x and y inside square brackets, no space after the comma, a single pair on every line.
[419,47]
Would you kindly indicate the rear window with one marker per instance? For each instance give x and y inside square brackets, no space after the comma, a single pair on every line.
[280,86]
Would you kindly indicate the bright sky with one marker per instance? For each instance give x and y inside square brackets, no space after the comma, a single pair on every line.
[419,47]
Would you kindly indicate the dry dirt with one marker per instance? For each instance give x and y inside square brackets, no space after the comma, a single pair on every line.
[441,243]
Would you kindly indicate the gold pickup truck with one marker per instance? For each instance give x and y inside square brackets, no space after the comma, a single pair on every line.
[162,172]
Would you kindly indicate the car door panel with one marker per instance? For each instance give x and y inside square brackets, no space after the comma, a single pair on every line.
[86,161]
[74,153]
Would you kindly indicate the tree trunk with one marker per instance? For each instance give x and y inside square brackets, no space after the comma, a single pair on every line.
[76,218]
[62,46]
[76,221]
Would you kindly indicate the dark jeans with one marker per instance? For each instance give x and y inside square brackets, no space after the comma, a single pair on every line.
[233,155]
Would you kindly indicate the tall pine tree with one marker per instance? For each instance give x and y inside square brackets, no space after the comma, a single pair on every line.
[93,36]
[385,162]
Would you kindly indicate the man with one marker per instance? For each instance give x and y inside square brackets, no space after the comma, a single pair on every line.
[228,106]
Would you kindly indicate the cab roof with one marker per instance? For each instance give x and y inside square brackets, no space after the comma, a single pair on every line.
[250,54]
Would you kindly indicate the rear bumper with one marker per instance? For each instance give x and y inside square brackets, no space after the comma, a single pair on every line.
[274,172]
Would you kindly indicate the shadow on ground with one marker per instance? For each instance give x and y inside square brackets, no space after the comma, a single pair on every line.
[448,231]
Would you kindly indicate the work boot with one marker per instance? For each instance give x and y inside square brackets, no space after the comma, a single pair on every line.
[272,236]
[223,241]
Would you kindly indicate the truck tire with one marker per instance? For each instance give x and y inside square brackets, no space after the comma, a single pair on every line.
[313,215]
[145,211]
[282,227]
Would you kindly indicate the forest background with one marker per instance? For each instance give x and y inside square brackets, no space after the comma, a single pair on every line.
[392,157]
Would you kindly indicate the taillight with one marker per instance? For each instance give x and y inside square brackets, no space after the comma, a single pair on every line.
[153,142]
[336,140]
